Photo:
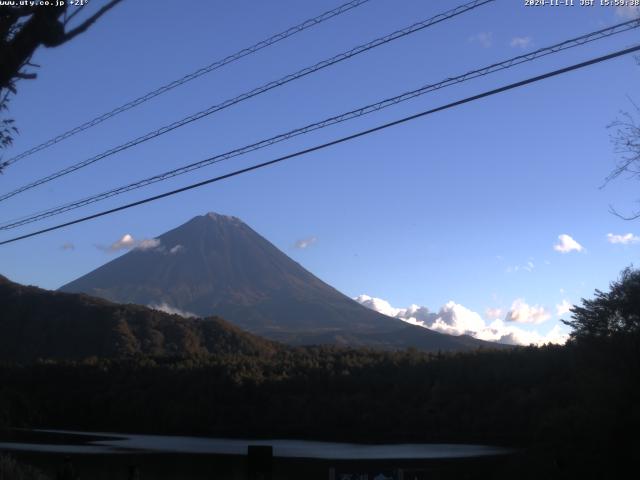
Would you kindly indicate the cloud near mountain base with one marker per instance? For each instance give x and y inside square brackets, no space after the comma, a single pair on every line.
[455,319]
[166,308]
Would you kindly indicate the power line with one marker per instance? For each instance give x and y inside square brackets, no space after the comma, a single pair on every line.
[299,153]
[191,76]
[257,91]
[514,61]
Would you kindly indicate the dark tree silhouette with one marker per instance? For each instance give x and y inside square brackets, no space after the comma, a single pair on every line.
[23,29]
[609,313]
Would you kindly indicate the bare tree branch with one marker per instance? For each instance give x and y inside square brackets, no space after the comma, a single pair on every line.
[26,76]
[88,22]
[70,17]
[626,141]
[633,216]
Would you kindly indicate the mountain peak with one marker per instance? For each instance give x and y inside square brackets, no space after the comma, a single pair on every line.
[220,217]
[217,265]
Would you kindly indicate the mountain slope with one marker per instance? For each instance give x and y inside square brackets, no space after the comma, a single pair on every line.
[36,323]
[216,264]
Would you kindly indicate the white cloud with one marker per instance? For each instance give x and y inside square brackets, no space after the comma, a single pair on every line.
[176,249]
[625,239]
[522,312]
[563,308]
[68,246]
[493,313]
[520,42]
[379,305]
[483,38]
[166,308]
[148,244]
[628,12]
[127,242]
[511,335]
[455,319]
[567,244]
[305,243]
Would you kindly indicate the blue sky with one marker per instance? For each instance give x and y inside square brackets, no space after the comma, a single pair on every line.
[465,205]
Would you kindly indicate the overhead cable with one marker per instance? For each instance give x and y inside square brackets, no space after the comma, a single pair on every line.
[332,143]
[352,114]
[190,76]
[416,27]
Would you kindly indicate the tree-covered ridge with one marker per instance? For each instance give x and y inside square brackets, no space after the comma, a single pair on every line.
[36,323]
[43,324]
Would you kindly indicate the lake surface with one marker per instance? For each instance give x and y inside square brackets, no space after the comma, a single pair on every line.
[105,455]
[116,443]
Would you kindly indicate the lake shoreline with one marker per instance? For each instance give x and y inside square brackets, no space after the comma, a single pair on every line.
[77,442]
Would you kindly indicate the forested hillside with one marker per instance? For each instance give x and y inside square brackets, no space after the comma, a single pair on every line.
[36,323]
